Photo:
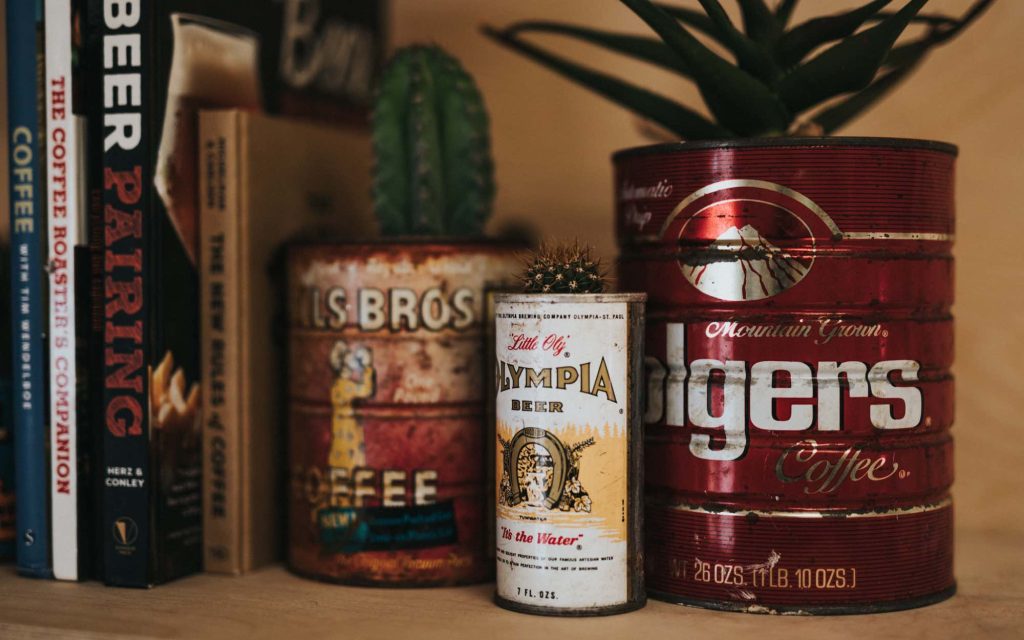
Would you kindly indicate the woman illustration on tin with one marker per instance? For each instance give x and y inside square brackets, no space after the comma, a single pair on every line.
[354,380]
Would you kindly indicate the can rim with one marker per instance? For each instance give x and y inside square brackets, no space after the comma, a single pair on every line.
[579,298]
[412,241]
[809,609]
[795,142]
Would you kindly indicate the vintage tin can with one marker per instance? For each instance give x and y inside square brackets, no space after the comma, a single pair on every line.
[568,377]
[799,457]
[386,410]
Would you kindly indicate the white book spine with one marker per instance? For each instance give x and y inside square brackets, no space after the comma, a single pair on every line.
[64,230]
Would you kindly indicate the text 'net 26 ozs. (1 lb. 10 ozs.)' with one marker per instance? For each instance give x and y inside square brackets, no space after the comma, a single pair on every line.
[798,350]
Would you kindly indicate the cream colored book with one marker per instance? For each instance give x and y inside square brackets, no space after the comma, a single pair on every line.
[263,181]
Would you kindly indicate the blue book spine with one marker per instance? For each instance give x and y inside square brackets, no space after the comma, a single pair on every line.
[24,38]
[8,533]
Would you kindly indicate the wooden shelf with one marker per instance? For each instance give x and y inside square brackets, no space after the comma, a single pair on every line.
[275,604]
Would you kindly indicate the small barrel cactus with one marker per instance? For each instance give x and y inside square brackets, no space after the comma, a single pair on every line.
[434,174]
[563,269]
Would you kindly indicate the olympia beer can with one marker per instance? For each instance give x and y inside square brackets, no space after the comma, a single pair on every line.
[799,456]
[386,410]
[568,372]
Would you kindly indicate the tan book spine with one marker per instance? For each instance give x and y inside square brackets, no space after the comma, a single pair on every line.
[248,422]
[220,137]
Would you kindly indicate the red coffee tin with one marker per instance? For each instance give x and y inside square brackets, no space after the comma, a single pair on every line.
[386,420]
[798,351]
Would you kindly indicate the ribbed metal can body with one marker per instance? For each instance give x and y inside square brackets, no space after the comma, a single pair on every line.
[799,346]
[386,410]
[568,452]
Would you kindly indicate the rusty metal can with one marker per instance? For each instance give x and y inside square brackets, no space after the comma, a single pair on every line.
[385,410]
[799,457]
[568,378]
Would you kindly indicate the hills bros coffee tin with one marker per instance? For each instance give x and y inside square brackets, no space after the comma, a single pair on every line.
[385,403]
[568,447]
[799,457]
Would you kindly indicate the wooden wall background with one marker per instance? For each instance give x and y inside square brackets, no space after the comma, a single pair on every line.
[552,144]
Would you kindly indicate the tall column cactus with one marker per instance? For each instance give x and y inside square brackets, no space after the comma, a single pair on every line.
[434,174]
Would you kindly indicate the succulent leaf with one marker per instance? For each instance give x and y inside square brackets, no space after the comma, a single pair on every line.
[772,81]
[905,53]
[672,116]
[900,63]
[759,22]
[798,43]
[946,27]
[806,37]
[751,58]
[736,98]
[848,66]
[784,12]
[834,117]
[692,18]
[647,49]
[931,19]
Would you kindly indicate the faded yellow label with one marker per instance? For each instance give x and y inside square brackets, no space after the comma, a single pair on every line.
[562,453]
[596,499]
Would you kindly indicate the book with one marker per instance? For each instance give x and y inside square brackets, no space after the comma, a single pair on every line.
[159,64]
[26,153]
[254,168]
[7,528]
[67,249]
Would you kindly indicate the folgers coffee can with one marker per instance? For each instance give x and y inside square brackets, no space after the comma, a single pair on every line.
[385,411]
[568,453]
[799,457]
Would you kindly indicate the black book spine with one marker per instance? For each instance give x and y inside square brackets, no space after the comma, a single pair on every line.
[120,202]
[83,307]
[92,97]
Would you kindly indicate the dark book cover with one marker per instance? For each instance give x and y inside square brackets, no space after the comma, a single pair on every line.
[8,531]
[158,63]
[28,293]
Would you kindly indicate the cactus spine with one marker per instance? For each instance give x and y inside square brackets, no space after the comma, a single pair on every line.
[563,269]
[434,174]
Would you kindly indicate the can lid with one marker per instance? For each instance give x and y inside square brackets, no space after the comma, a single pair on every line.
[823,142]
[384,243]
[421,245]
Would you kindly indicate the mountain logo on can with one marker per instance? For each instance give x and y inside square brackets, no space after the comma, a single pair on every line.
[747,240]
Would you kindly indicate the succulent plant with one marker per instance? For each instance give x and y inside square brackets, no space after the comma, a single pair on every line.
[563,269]
[433,173]
[778,73]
